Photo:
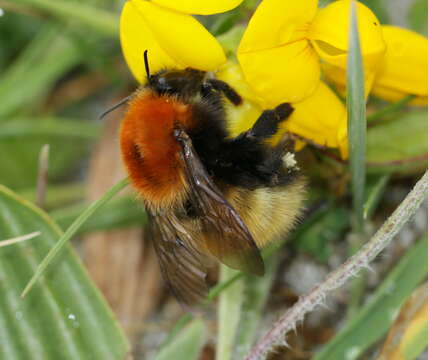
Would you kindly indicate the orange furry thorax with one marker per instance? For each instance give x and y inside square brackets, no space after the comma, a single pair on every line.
[149,149]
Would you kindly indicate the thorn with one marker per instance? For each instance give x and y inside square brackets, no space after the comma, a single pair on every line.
[369,268]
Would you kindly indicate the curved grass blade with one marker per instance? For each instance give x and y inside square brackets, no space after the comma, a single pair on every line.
[408,337]
[257,291]
[187,344]
[22,128]
[71,231]
[375,318]
[229,314]
[123,211]
[102,21]
[374,194]
[64,317]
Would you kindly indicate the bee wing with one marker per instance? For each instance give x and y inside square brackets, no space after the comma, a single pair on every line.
[182,265]
[225,234]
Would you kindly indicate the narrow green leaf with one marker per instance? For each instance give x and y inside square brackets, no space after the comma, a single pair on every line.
[229,314]
[375,318]
[71,231]
[400,144]
[356,109]
[317,238]
[102,21]
[64,317]
[257,291]
[120,212]
[380,8]
[408,336]
[21,86]
[392,109]
[267,253]
[230,40]
[375,189]
[224,22]
[187,344]
[418,18]
[18,128]
[58,196]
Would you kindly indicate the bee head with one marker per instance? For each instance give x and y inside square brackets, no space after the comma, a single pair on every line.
[182,83]
[189,83]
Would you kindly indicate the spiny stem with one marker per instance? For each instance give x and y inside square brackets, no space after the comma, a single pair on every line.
[340,276]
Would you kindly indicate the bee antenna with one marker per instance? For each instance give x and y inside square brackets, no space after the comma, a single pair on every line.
[146,64]
[114,107]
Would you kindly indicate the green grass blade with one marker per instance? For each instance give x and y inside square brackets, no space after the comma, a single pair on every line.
[418,18]
[71,231]
[257,291]
[187,344]
[356,109]
[375,318]
[65,316]
[375,190]
[391,109]
[118,213]
[102,21]
[21,86]
[58,196]
[267,253]
[229,314]
[400,144]
[21,128]
[380,8]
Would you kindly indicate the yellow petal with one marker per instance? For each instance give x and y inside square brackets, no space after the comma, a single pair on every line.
[201,7]
[283,74]
[318,117]
[337,76]
[342,138]
[404,69]
[231,73]
[329,34]
[277,22]
[135,38]
[184,41]
[240,118]
[394,96]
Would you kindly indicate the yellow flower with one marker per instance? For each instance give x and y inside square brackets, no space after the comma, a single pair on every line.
[401,72]
[320,118]
[404,69]
[281,49]
[173,38]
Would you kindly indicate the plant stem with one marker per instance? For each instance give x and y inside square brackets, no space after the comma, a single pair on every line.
[390,109]
[346,271]
[229,314]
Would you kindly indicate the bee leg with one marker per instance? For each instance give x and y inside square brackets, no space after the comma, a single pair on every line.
[268,122]
[227,91]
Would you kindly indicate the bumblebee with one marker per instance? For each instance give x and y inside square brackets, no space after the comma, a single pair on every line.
[208,195]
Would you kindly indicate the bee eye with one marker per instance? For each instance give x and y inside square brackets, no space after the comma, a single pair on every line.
[162,85]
